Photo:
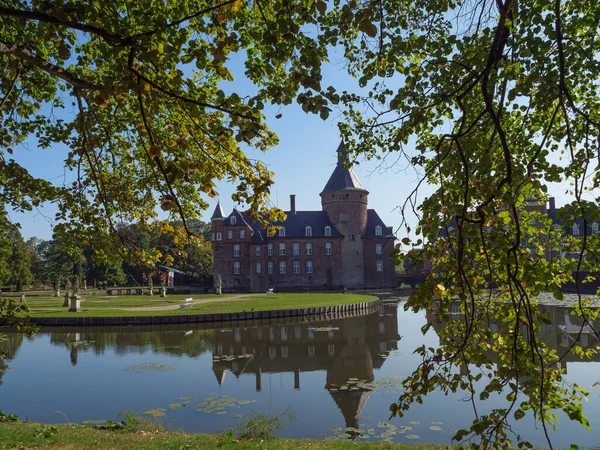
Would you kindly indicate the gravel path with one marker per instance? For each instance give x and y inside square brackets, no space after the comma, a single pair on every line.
[193,302]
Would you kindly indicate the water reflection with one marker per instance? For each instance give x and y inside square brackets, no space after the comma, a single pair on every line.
[560,334]
[354,359]
[347,349]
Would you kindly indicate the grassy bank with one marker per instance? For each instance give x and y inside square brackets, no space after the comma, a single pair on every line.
[72,437]
[115,306]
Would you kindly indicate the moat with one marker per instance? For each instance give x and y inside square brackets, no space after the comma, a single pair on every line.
[338,377]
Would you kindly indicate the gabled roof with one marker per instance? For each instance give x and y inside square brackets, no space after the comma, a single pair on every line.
[295,226]
[343,177]
[374,220]
[241,219]
[218,213]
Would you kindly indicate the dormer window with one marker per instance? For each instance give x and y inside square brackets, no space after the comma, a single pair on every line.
[327,230]
[594,227]
[378,230]
[232,220]
[307,231]
[282,232]
[575,230]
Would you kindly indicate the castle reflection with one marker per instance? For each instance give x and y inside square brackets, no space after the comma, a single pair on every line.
[347,349]
[560,334]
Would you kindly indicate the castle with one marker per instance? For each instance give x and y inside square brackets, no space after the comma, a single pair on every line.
[345,245]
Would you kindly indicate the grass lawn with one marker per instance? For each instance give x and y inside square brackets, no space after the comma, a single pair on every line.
[112,306]
[73,437]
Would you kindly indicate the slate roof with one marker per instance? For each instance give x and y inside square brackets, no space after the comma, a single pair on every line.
[218,213]
[373,220]
[342,177]
[294,226]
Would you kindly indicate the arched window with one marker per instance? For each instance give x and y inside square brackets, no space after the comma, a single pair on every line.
[378,230]
[232,220]
[307,231]
[327,230]
[575,229]
[594,227]
[282,232]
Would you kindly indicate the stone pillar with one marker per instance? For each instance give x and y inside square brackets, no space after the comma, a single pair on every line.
[22,299]
[66,302]
[151,292]
[84,284]
[163,291]
[57,288]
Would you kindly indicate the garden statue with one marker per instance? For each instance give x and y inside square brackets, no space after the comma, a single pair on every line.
[67,287]
[163,291]
[57,287]
[22,299]
[75,298]
[151,285]
[219,285]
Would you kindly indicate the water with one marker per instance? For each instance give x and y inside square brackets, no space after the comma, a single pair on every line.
[200,379]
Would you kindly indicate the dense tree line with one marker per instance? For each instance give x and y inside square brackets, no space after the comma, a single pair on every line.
[42,264]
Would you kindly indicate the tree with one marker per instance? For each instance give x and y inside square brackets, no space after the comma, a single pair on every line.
[19,261]
[500,99]
[155,123]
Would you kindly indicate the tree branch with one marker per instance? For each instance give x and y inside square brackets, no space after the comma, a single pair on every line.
[47,66]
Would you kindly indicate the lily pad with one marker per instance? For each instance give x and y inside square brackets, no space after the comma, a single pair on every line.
[176,405]
[158,412]
[149,367]
[412,436]
[435,428]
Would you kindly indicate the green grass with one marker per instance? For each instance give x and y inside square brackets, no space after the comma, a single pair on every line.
[101,307]
[73,437]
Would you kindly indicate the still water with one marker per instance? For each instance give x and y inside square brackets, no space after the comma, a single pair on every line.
[338,377]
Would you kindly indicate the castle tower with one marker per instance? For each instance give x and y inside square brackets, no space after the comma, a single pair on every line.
[344,199]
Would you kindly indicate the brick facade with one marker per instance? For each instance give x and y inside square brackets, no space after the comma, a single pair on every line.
[350,245]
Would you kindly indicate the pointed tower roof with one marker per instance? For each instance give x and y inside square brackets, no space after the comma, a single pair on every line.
[342,177]
[218,213]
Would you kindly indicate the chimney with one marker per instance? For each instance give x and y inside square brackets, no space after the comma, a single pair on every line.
[292,204]
[552,203]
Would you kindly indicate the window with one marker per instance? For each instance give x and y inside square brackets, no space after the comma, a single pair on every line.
[229,234]
[308,248]
[309,266]
[307,231]
[378,249]
[257,250]
[575,230]
[258,268]
[232,220]
[327,230]
[282,249]
[296,267]
[331,349]
[282,232]
[270,267]
[594,227]
[328,248]
[295,249]
[282,267]
[270,249]
[242,234]
[379,266]
[236,250]
[236,267]
[378,230]
[351,237]
[343,218]
[218,236]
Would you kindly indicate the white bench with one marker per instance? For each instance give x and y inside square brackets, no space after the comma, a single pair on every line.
[187,303]
[270,291]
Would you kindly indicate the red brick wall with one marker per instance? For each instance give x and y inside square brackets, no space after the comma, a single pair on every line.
[373,278]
